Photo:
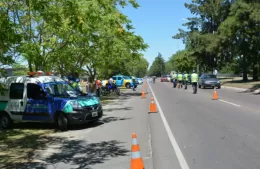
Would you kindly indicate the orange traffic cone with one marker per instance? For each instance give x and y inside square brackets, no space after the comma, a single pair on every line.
[215,95]
[143,95]
[153,108]
[136,159]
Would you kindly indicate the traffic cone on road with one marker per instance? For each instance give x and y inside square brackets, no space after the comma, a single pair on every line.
[136,159]
[153,108]
[143,95]
[215,95]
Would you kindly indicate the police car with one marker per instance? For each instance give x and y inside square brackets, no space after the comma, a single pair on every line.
[42,97]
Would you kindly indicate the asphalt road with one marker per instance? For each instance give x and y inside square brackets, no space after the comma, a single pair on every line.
[206,133]
[188,132]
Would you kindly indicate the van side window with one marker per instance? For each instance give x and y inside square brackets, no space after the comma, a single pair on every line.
[119,78]
[16,91]
[34,91]
[114,78]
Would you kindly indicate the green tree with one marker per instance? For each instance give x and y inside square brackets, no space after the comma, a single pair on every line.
[202,36]
[158,66]
[241,30]
[182,61]
[72,36]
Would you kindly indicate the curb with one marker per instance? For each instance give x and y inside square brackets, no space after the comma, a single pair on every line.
[234,88]
[242,89]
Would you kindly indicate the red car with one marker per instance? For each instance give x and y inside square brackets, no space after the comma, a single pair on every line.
[165,78]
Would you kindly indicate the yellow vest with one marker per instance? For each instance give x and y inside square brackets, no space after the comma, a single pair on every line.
[194,78]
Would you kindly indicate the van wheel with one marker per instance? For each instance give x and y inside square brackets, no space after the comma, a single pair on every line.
[5,121]
[127,86]
[62,122]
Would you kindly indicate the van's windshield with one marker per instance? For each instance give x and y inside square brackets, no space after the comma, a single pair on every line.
[60,89]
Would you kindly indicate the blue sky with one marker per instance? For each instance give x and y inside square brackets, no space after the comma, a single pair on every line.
[157,21]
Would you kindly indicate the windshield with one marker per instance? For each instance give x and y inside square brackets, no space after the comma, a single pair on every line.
[61,89]
[125,77]
[211,76]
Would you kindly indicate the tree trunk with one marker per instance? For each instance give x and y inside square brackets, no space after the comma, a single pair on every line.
[245,69]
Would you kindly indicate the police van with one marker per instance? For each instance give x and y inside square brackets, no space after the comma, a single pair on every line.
[42,97]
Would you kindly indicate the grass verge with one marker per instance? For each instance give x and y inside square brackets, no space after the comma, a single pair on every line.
[237,82]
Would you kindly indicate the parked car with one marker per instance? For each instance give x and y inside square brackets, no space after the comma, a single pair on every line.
[123,81]
[139,80]
[209,80]
[165,78]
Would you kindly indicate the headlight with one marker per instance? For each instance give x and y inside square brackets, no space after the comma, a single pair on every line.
[75,105]
[218,81]
[206,82]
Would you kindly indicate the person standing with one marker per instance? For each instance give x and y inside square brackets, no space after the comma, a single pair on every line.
[194,81]
[179,76]
[133,79]
[98,87]
[185,80]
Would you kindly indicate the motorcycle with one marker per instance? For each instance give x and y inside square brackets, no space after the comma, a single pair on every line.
[113,88]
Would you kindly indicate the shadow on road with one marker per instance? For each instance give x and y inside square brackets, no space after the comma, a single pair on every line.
[117,109]
[111,119]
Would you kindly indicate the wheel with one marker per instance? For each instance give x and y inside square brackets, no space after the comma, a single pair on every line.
[219,87]
[62,122]
[5,121]
[127,86]
[199,86]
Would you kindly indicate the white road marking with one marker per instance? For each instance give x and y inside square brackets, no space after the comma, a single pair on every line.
[230,103]
[173,141]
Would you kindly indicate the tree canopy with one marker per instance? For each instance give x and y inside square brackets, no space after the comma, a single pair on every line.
[222,32]
[66,36]
[158,66]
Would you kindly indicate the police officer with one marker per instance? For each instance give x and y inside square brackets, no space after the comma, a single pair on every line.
[194,81]
[180,79]
[133,79]
[185,80]
[174,79]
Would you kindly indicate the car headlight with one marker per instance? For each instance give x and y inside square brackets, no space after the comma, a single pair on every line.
[76,105]
[206,82]
[218,81]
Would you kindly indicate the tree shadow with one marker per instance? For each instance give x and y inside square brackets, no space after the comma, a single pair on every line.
[112,119]
[53,127]
[74,154]
[252,89]
[82,154]
[117,109]
[18,146]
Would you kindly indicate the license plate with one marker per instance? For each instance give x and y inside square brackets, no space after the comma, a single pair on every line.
[94,114]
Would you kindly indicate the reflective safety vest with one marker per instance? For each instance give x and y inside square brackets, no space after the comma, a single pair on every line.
[75,85]
[179,76]
[185,77]
[194,77]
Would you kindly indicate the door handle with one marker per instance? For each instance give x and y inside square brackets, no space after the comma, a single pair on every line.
[21,103]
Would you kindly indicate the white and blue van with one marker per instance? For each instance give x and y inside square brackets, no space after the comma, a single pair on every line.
[39,97]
